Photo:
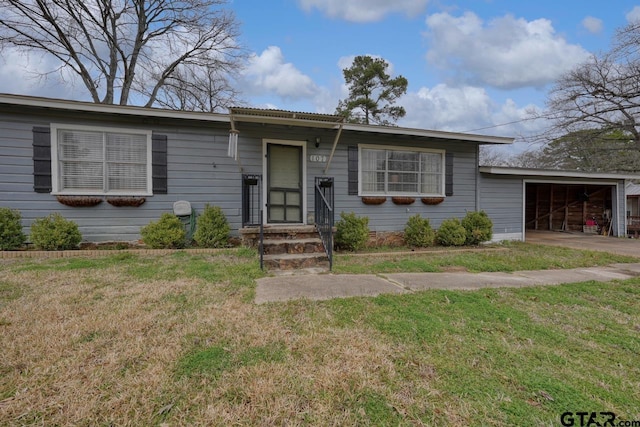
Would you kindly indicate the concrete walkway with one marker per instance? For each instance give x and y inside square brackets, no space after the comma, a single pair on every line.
[327,286]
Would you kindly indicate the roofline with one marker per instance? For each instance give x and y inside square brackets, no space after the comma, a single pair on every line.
[395,130]
[91,107]
[244,115]
[499,170]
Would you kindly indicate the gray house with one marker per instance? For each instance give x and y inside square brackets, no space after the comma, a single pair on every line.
[112,169]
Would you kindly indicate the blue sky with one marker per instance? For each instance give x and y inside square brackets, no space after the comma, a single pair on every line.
[471,64]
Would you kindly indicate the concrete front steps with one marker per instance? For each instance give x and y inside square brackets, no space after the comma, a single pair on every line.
[289,248]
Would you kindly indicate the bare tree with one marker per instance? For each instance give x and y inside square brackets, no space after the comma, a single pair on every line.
[603,92]
[197,89]
[128,51]
[492,156]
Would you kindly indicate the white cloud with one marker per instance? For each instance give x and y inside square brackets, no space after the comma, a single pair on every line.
[467,109]
[447,108]
[593,25]
[364,10]
[633,15]
[506,53]
[268,73]
[21,72]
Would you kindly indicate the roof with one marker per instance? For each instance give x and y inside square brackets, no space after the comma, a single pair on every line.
[498,170]
[124,110]
[284,114]
[254,115]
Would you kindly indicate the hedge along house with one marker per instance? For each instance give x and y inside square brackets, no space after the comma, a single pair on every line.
[113,169]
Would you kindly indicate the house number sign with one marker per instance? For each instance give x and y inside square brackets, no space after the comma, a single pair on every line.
[317,158]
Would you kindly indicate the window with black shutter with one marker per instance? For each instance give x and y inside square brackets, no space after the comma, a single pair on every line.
[92,161]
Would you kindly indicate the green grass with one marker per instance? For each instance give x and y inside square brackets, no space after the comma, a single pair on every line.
[177,340]
[508,257]
[211,362]
[518,356]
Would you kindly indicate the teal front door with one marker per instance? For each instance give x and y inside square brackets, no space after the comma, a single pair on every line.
[284,184]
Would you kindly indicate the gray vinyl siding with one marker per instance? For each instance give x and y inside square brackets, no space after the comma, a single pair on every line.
[192,152]
[501,197]
[392,217]
[385,217]
[200,172]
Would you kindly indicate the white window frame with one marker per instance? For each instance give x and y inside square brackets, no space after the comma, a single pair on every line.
[361,192]
[55,168]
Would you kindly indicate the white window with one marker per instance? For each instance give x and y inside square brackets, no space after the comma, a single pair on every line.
[401,172]
[94,161]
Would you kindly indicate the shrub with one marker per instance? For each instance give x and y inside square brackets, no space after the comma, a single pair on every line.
[166,233]
[212,230]
[478,226]
[451,233]
[418,232]
[55,233]
[11,235]
[352,232]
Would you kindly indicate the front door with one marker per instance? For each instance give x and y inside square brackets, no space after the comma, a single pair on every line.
[284,183]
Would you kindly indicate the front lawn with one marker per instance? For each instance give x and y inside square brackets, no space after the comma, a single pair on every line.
[507,257]
[177,340]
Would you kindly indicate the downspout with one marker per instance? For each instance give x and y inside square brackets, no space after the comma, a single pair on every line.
[333,149]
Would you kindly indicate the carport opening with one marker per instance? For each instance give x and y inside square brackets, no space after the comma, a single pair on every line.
[569,207]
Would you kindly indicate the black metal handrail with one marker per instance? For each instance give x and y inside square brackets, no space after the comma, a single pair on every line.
[252,213]
[324,214]
[261,244]
[251,200]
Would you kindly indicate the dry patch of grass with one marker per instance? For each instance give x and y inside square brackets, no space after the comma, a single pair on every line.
[177,340]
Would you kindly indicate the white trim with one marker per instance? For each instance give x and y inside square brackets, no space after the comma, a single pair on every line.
[396,130]
[568,182]
[401,148]
[126,110]
[554,173]
[265,170]
[55,177]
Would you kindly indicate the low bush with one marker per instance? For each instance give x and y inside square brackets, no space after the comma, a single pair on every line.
[352,232]
[451,233]
[166,233]
[478,226]
[212,229]
[55,233]
[11,235]
[418,232]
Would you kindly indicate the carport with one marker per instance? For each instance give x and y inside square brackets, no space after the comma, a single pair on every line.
[557,206]
[521,199]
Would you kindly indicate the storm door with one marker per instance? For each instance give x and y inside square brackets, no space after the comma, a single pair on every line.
[284,184]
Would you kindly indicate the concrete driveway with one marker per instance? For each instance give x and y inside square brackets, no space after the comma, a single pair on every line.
[576,240]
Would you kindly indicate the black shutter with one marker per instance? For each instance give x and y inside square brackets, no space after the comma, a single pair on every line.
[352,163]
[42,160]
[448,174]
[159,163]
